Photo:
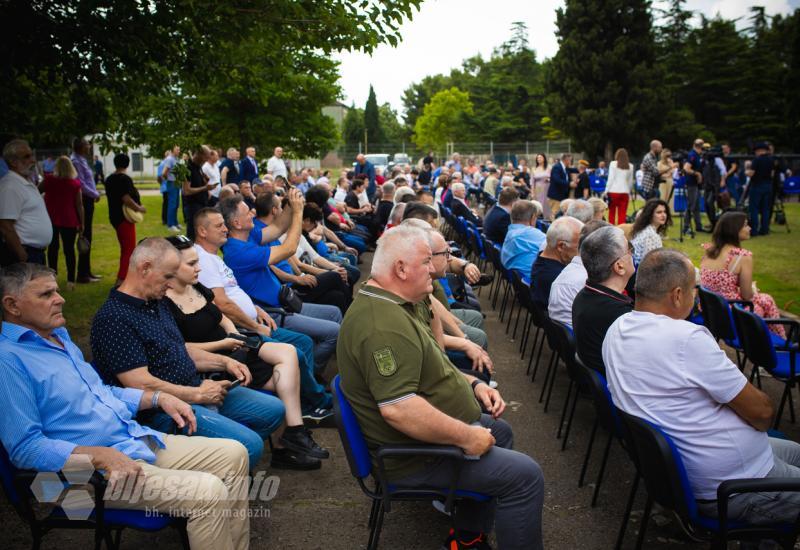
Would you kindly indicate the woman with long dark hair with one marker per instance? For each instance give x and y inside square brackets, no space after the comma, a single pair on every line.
[727,269]
[649,228]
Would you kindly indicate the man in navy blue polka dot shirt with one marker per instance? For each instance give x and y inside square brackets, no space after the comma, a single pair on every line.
[136,343]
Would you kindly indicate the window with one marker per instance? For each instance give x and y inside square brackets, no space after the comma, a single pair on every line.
[136,161]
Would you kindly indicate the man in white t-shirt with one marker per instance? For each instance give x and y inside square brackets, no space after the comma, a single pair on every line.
[673,373]
[210,235]
[211,170]
[276,165]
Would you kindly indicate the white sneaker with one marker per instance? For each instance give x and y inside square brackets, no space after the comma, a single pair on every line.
[439,506]
[175,229]
[493,384]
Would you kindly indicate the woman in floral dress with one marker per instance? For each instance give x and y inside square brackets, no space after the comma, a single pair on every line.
[727,269]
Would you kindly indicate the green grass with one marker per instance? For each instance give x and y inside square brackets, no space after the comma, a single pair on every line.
[777,263]
[776,257]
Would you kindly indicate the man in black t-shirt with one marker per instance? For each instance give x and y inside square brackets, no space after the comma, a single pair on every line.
[195,189]
[562,246]
[609,266]
[760,189]
[120,191]
[386,204]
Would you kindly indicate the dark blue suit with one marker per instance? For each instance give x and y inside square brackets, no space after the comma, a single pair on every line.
[368,169]
[248,169]
[495,224]
[559,183]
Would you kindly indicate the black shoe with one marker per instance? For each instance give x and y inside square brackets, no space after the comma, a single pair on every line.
[301,441]
[485,279]
[285,459]
[318,415]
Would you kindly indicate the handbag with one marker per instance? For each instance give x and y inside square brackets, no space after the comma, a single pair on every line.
[84,245]
[131,215]
[289,299]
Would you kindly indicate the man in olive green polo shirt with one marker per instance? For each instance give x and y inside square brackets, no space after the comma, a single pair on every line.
[404,390]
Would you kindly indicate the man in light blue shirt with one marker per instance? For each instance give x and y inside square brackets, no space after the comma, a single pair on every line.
[57,412]
[523,241]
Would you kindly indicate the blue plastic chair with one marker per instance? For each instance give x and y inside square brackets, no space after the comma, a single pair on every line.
[107,523]
[660,465]
[791,186]
[382,493]
[597,185]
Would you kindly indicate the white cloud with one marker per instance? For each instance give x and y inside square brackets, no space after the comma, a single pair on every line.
[445,32]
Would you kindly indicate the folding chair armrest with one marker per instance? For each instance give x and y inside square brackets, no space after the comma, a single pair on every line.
[794,329]
[732,487]
[450,452]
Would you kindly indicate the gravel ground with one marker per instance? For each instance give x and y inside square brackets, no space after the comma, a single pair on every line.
[325,508]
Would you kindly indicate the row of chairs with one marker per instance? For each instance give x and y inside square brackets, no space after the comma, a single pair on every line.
[651,450]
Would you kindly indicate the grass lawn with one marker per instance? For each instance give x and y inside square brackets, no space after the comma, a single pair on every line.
[777,263]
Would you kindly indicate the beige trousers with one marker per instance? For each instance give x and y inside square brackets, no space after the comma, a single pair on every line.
[202,479]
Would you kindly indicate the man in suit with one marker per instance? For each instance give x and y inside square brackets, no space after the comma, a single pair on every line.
[363,166]
[460,206]
[248,168]
[498,218]
[559,182]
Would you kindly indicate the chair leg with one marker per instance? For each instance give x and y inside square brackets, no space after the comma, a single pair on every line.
[516,323]
[588,452]
[526,327]
[627,516]
[602,469]
[373,513]
[564,410]
[375,532]
[645,519]
[791,402]
[552,383]
[571,416]
[533,351]
[786,394]
[511,311]
[553,360]
[36,538]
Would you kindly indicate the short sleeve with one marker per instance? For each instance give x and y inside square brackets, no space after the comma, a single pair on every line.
[708,367]
[392,364]
[11,200]
[115,347]
[210,275]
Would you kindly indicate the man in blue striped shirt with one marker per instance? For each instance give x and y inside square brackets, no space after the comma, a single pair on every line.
[56,407]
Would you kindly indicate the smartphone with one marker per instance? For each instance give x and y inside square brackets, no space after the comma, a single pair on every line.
[235,383]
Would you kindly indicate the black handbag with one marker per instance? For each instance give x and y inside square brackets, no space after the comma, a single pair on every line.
[289,299]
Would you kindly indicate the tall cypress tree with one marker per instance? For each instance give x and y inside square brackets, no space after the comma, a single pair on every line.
[372,120]
[604,87]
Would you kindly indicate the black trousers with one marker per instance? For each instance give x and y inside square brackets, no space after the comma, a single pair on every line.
[68,235]
[330,290]
[189,210]
[164,202]
[84,260]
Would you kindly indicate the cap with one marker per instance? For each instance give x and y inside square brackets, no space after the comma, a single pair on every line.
[583,162]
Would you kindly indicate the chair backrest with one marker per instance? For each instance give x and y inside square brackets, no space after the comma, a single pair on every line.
[660,465]
[754,337]
[355,446]
[717,316]
[522,290]
[601,397]
[7,472]
[565,340]
[791,186]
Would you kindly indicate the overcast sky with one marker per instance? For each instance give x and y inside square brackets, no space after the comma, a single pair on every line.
[445,32]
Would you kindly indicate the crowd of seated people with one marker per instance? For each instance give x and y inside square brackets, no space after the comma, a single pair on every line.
[217,344]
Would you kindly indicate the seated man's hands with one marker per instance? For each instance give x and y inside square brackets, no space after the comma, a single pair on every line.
[472,273]
[479,441]
[118,467]
[231,344]
[342,273]
[351,250]
[265,321]
[490,399]
[212,392]
[480,359]
[180,411]
[306,279]
[238,370]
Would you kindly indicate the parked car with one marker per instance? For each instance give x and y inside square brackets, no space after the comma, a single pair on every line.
[401,159]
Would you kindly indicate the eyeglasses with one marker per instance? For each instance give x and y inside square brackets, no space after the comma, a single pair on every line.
[630,251]
[445,253]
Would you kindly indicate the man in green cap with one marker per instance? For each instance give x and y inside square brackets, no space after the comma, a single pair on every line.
[404,390]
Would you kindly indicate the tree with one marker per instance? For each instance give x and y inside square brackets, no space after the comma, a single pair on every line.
[393,131]
[372,122]
[76,66]
[353,126]
[603,85]
[416,96]
[442,119]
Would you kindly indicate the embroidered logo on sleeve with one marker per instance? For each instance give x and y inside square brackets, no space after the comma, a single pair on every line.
[384,360]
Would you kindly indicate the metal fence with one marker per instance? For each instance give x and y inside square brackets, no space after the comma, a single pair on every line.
[498,152]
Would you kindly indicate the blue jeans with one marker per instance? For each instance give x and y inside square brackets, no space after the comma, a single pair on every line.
[246,416]
[353,241]
[322,323]
[760,198]
[312,393]
[173,202]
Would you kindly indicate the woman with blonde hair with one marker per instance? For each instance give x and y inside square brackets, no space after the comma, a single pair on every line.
[618,188]
[62,197]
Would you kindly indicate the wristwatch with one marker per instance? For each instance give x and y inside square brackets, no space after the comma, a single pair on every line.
[475,384]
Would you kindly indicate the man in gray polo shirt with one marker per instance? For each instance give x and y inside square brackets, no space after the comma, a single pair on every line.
[24,224]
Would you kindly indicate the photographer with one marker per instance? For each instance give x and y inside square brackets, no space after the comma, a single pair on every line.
[693,168]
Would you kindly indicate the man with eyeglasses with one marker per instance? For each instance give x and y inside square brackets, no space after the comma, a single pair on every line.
[24,224]
[607,257]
